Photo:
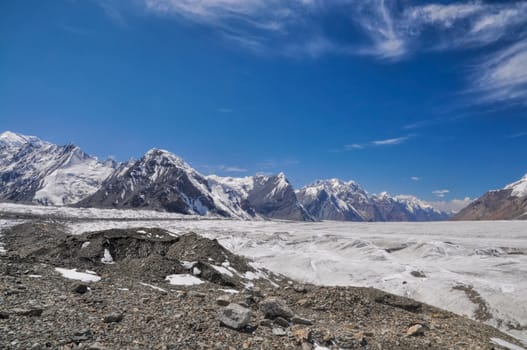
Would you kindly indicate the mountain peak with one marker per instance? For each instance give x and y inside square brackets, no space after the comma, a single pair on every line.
[519,188]
[10,138]
[158,155]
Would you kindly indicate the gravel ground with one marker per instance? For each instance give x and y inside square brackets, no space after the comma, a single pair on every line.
[132,306]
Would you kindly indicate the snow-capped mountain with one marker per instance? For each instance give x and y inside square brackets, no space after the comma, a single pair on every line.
[335,199]
[35,171]
[260,195]
[509,203]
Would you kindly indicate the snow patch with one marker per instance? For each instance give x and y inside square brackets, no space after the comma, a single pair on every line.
[519,188]
[183,280]
[229,291]
[73,274]
[506,344]
[223,270]
[107,258]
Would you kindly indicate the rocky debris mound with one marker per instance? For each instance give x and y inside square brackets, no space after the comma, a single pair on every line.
[147,254]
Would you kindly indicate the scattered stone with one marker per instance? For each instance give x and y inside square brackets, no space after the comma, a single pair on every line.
[418,274]
[234,316]
[82,335]
[275,307]
[36,347]
[301,334]
[307,346]
[253,290]
[113,317]
[360,338]
[280,321]
[415,330]
[4,315]
[223,300]
[95,346]
[279,332]
[266,323]
[80,288]
[300,320]
[300,288]
[27,312]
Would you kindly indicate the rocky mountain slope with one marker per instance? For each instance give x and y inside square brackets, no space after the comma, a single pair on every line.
[509,203]
[35,171]
[346,201]
[159,181]
[145,288]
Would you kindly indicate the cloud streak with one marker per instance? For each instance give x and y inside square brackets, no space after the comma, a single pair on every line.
[378,143]
[441,193]
[503,75]
[453,206]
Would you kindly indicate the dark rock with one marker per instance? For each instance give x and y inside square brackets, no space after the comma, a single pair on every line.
[80,288]
[266,323]
[280,321]
[82,335]
[113,317]
[28,312]
[301,320]
[4,315]
[275,307]
[418,274]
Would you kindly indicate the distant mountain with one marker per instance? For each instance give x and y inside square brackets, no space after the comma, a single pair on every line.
[346,201]
[35,171]
[267,196]
[509,203]
[337,200]
[407,208]
[160,181]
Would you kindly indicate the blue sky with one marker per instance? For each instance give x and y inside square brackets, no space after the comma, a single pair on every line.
[426,98]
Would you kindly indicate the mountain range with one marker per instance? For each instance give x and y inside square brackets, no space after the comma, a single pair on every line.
[39,172]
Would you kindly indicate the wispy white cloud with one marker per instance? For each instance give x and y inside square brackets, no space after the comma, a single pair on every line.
[391,142]
[232,169]
[277,163]
[113,12]
[441,193]
[225,110]
[377,20]
[415,178]
[452,206]
[503,75]
[398,30]
[213,169]
[517,135]
[353,146]
[378,143]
